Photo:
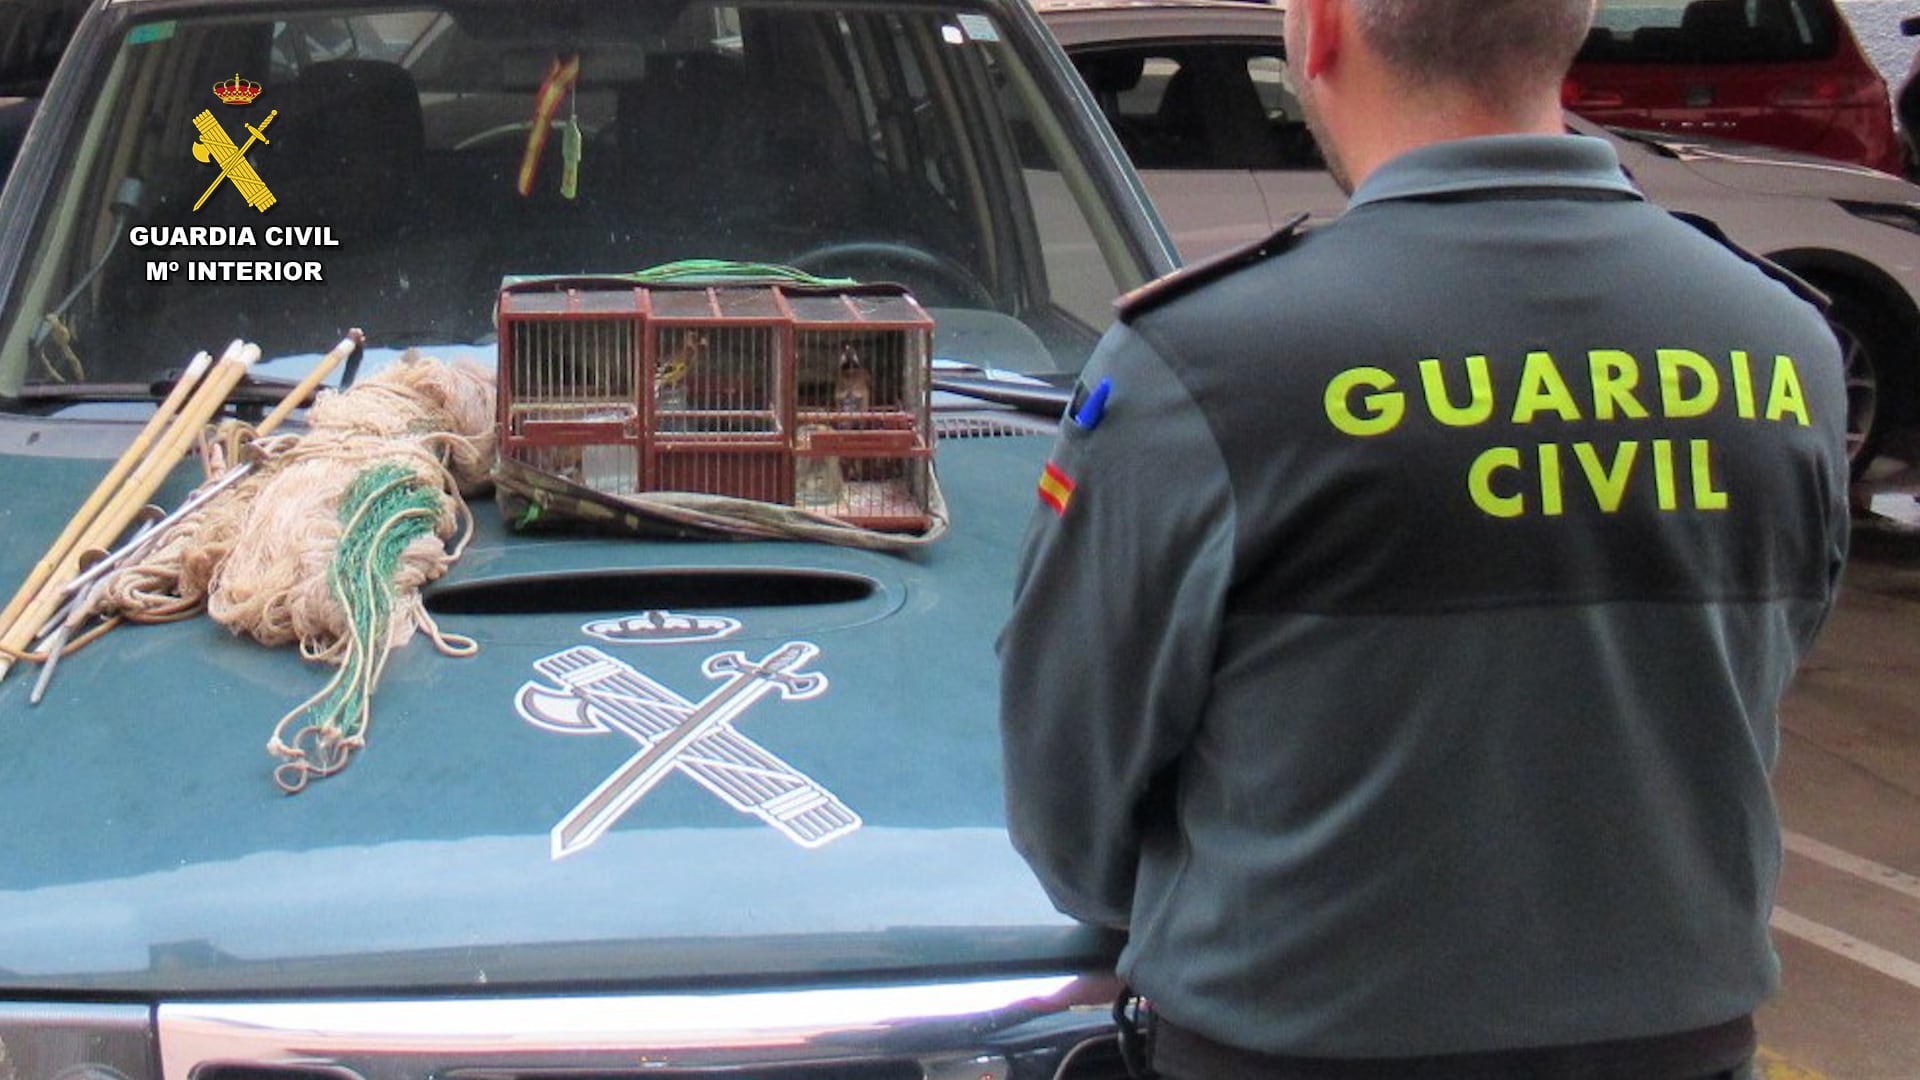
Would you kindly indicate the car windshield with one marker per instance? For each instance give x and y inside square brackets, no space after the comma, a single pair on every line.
[1709,31]
[279,175]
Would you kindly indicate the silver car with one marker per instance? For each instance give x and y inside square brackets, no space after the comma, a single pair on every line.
[1196,91]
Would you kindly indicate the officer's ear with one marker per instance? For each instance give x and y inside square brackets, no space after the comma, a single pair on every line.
[1323,21]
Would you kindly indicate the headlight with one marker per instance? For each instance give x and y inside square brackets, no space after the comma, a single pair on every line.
[76,1042]
[1902,216]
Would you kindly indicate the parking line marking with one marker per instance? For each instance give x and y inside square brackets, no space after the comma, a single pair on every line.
[1840,943]
[1848,863]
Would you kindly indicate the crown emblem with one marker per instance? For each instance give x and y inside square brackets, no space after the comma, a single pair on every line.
[236,91]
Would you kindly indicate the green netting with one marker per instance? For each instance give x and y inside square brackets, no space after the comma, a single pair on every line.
[385,509]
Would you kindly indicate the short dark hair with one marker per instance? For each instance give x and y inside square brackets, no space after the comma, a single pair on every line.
[1497,50]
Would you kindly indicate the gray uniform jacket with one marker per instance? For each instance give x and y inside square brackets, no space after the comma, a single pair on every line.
[1397,659]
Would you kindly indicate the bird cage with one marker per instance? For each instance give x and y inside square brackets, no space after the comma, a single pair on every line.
[863,432]
[570,398]
[718,413]
[808,396]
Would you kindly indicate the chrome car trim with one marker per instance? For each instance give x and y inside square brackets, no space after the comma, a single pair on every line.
[948,1030]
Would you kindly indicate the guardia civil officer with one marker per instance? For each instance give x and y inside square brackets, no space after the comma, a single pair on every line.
[1400,631]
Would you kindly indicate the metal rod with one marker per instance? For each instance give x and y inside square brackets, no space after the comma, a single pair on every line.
[55,645]
[147,538]
[152,518]
[157,426]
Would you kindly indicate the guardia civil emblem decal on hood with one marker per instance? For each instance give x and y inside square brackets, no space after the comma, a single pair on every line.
[661,628]
[587,692]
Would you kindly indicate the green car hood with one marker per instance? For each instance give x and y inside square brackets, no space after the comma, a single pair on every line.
[148,851]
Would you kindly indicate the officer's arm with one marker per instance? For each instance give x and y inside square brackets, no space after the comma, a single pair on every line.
[1106,661]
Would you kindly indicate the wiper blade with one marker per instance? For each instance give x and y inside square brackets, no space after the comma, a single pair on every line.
[1047,401]
[252,391]
[1038,400]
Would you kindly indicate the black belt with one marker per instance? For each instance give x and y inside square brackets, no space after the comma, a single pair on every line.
[1723,1049]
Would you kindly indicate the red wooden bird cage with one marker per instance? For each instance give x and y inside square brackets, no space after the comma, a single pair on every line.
[808,396]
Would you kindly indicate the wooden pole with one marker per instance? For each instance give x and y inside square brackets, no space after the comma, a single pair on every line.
[81,607]
[168,453]
[125,504]
[109,484]
[228,478]
[307,385]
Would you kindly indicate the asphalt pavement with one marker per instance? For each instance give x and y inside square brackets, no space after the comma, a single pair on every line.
[1847,919]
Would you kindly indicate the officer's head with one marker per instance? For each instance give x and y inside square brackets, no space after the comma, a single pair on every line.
[1378,77]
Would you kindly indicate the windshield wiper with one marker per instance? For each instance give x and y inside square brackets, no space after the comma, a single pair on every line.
[1047,401]
[256,391]
[249,399]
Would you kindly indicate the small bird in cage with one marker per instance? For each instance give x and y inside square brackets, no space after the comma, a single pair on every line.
[818,481]
[853,393]
[853,384]
[671,369]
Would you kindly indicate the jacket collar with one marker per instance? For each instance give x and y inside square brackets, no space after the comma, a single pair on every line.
[1497,162]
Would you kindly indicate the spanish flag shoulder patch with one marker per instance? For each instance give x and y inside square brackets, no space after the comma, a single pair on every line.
[1056,488]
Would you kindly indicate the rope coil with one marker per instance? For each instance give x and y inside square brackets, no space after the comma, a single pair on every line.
[327,541]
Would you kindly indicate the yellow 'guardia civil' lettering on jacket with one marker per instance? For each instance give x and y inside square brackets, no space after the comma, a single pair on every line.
[1368,402]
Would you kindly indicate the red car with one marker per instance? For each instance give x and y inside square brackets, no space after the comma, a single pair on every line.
[1785,73]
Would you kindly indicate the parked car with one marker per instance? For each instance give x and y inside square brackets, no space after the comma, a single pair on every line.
[1782,73]
[1196,91]
[165,910]
[1906,103]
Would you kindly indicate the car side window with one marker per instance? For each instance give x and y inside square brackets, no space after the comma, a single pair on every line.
[1200,107]
[1730,31]
[1286,121]
[1130,85]
[1269,75]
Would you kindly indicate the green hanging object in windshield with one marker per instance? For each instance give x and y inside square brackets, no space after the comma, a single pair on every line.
[570,158]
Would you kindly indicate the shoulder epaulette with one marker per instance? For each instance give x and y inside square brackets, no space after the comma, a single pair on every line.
[1795,284]
[1184,280]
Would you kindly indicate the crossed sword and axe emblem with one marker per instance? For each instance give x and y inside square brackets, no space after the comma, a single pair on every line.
[591,693]
[214,146]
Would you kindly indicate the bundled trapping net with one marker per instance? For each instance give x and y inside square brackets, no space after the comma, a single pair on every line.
[327,539]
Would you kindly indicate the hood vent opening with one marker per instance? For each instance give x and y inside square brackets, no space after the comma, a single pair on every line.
[260,1071]
[603,591]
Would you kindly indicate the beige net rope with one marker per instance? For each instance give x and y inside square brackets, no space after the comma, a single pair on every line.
[256,555]
[260,555]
